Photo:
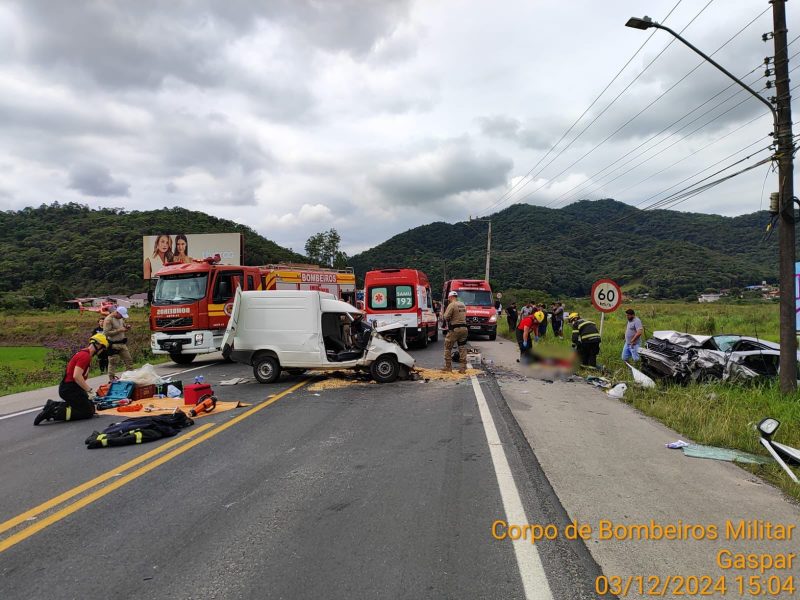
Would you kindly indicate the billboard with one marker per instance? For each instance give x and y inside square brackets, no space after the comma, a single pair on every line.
[158,250]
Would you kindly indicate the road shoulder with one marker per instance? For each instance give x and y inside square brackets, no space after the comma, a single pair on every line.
[607,461]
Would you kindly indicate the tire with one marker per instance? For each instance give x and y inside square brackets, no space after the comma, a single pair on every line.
[492,336]
[181,359]
[423,341]
[266,369]
[384,369]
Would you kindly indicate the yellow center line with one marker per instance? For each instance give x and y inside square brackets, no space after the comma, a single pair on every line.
[96,495]
[99,479]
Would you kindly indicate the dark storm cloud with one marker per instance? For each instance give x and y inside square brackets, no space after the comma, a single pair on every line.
[95,180]
[451,169]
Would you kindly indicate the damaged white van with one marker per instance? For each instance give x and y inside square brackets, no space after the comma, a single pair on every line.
[297,330]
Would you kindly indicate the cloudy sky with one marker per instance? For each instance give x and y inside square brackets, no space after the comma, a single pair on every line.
[373,117]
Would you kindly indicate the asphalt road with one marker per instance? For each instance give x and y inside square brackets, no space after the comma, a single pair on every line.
[370,491]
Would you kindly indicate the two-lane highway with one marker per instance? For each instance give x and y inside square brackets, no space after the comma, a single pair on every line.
[368,491]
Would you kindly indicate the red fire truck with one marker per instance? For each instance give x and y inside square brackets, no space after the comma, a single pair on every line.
[192,301]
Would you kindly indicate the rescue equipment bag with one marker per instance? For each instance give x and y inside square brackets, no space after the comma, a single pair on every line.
[139,430]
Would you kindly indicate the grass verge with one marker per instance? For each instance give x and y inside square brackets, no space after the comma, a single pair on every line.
[715,414]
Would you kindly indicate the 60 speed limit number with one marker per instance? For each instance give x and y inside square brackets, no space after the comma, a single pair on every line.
[606,295]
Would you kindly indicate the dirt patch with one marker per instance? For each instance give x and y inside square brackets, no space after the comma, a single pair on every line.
[439,375]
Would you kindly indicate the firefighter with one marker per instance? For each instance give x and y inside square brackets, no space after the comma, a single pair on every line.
[455,315]
[585,339]
[74,389]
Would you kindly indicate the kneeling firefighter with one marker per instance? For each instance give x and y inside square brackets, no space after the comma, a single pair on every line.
[585,339]
[455,315]
[74,389]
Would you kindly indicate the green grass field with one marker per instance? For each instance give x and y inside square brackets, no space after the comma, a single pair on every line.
[35,346]
[23,358]
[717,414]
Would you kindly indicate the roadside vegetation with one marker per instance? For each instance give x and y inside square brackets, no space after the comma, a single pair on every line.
[715,414]
[35,346]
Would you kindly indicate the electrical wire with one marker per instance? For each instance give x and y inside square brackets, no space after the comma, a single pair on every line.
[581,187]
[661,96]
[600,95]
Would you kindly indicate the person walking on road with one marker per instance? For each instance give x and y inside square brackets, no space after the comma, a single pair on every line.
[74,390]
[511,316]
[585,339]
[633,336]
[116,329]
[455,315]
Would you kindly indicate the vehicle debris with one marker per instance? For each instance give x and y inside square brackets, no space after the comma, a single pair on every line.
[684,358]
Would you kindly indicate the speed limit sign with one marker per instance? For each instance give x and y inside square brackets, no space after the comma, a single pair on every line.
[606,295]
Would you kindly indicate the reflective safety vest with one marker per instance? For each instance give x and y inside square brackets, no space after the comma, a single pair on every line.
[584,332]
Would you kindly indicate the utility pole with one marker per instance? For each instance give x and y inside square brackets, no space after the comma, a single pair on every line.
[782,124]
[489,248]
[786,228]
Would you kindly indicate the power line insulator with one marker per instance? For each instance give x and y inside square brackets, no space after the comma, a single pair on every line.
[770,84]
[767,36]
[767,60]
[768,73]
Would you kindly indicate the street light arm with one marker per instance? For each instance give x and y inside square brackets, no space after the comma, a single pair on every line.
[721,68]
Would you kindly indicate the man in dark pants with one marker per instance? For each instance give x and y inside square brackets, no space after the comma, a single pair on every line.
[511,316]
[74,389]
[585,339]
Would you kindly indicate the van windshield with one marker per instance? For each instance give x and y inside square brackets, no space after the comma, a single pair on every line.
[391,297]
[475,297]
[180,289]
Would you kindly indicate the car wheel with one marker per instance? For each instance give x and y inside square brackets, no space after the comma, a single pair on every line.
[492,336]
[385,369]
[266,369]
[181,359]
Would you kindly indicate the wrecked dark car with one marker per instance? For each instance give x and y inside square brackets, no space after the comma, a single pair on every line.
[684,358]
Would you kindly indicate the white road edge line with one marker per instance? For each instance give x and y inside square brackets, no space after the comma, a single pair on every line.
[534,579]
[21,412]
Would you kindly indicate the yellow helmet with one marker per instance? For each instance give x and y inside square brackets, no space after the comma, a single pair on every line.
[573,316]
[539,315]
[99,339]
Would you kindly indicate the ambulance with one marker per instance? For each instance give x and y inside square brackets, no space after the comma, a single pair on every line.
[477,298]
[402,296]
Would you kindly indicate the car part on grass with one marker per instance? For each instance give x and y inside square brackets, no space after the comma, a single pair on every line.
[784,455]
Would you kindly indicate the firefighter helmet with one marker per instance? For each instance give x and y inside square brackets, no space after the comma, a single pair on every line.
[99,339]
[573,316]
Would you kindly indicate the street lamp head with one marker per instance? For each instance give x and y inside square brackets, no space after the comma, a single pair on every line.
[637,23]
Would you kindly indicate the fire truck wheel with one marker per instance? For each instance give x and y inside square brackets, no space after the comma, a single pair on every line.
[385,369]
[181,359]
[266,369]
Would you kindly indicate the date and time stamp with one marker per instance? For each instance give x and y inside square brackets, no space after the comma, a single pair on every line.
[738,574]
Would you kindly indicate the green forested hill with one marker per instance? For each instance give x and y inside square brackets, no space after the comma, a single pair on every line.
[562,251]
[70,249]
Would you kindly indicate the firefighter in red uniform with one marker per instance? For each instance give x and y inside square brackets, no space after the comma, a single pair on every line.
[74,389]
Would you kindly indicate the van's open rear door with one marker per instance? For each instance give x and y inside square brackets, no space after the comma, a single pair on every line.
[230,332]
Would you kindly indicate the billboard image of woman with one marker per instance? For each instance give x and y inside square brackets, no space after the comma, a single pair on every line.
[162,254]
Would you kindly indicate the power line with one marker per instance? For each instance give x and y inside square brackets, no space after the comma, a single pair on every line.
[600,95]
[639,113]
[581,188]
